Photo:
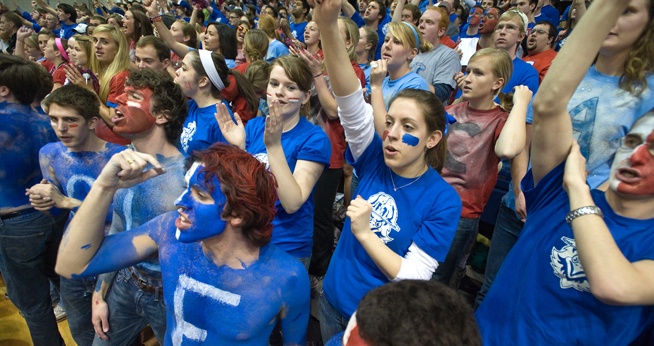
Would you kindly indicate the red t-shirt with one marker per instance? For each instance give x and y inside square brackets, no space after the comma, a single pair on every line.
[541,62]
[446,40]
[59,74]
[471,167]
[47,64]
[116,88]
[334,129]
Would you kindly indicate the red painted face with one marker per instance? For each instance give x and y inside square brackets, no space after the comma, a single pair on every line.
[133,111]
[489,22]
[638,178]
[475,17]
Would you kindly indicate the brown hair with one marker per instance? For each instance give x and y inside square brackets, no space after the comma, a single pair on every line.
[255,44]
[298,71]
[258,73]
[267,25]
[640,62]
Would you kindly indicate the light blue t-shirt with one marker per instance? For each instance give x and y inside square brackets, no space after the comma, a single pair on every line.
[293,233]
[366,70]
[543,290]
[275,50]
[411,80]
[425,211]
[201,128]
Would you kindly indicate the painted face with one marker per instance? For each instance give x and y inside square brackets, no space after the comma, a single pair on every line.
[430,26]
[199,210]
[508,35]
[51,22]
[475,17]
[146,57]
[285,91]
[629,27]
[395,53]
[133,111]
[407,16]
[372,12]
[78,55]
[311,34]
[539,40]
[49,51]
[105,47]
[486,4]
[489,21]
[632,172]
[128,23]
[71,128]
[212,39]
[241,30]
[480,81]
[187,78]
[405,138]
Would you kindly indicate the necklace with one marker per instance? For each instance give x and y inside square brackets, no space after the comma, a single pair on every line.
[397,188]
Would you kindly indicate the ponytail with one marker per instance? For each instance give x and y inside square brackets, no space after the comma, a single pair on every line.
[506,101]
[245,89]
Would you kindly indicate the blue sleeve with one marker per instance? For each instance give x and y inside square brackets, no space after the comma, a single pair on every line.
[565,14]
[443,91]
[37,28]
[316,148]
[336,340]
[27,16]
[98,11]
[437,231]
[532,81]
[548,188]
[373,155]
[218,16]
[117,251]
[356,17]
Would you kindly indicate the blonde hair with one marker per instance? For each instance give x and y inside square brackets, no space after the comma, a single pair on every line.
[501,67]
[255,44]
[86,43]
[119,64]
[352,35]
[404,32]
[515,14]
[267,25]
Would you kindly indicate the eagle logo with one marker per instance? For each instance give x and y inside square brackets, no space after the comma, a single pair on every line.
[567,266]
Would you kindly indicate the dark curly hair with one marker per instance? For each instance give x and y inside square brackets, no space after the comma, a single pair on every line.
[82,100]
[168,98]
[416,312]
[249,187]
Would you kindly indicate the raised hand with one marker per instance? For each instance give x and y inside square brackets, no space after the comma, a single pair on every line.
[315,63]
[575,169]
[325,11]
[234,133]
[378,71]
[522,94]
[125,169]
[274,125]
[24,33]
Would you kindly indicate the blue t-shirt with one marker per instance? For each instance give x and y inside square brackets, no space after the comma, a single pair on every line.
[411,80]
[73,173]
[67,31]
[230,63]
[201,128]
[366,70]
[425,211]
[275,50]
[217,15]
[298,30]
[464,34]
[293,233]
[141,203]
[542,297]
[22,135]
[549,13]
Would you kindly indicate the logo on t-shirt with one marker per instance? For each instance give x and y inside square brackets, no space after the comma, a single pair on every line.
[294,33]
[263,158]
[385,29]
[383,218]
[419,67]
[187,135]
[568,268]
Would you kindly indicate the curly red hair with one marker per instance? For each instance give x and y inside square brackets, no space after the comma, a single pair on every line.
[250,188]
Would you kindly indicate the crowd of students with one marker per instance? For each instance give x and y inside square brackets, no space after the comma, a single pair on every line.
[177,165]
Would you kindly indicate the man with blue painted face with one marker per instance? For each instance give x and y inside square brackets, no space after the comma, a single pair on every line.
[30,238]
[69,168]
[151,114]
[224,283]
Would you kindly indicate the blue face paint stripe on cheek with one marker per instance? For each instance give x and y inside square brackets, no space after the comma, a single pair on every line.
[86,247]
[410,140]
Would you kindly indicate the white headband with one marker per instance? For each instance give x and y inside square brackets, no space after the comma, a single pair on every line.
[525,20]
[210,69]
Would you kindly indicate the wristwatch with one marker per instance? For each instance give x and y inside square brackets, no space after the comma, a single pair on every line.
[591,209]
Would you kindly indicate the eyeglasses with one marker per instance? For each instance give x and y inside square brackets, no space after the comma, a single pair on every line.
[508,27]
[539,32]
[242,29]
[233,17]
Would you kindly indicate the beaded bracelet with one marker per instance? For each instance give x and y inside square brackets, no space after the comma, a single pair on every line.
[155,19]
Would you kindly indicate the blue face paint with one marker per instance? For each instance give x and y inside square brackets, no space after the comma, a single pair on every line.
[199,217]
[410,140]
[86,247]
